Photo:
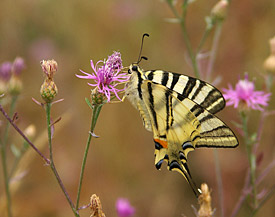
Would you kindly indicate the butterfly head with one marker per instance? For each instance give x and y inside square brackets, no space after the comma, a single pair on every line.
[133,68]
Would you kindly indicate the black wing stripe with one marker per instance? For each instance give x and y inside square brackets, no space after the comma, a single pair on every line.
[165,78]
[189,86]
[140,81]
[198,90]
[174,81]
[213,96]
[151,100]
[150,75]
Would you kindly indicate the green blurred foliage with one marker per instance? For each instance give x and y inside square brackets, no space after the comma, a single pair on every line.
[121,161]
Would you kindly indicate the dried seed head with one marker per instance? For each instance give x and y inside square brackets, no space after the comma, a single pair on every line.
[96,208]
[205,202]
[49,67]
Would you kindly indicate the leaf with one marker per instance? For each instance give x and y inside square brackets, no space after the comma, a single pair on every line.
[88,102]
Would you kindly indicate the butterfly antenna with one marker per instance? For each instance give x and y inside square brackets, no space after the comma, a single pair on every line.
[139,56]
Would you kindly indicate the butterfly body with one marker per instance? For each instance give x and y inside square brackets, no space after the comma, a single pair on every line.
[179,110]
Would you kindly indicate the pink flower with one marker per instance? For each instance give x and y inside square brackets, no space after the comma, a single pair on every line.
[5,70]
[18,65]
[107,75]
[245,93]
[124,208]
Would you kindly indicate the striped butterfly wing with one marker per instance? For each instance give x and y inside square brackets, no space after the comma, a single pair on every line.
[202,93]
[179,110]
[180,125]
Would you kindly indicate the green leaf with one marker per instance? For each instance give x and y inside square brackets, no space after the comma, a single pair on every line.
[88,102]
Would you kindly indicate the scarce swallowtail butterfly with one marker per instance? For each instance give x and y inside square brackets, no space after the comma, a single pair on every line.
[180,111]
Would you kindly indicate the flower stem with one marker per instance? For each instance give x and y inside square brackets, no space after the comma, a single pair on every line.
[185,35]
[4,157]
[96,111]
[219,181]
[213,52]
[251,158]
[48,116]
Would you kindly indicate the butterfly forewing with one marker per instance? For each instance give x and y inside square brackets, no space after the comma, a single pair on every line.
[198,91]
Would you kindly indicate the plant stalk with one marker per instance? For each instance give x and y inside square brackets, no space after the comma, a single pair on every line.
[96,111]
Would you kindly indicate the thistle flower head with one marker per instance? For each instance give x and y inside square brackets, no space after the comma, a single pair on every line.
[18,65]
[107,75]
[49,67]
[48,89]
[5,70]
[245,95]
[124,208]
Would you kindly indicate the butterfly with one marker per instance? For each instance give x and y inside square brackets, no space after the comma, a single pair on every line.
[180,111]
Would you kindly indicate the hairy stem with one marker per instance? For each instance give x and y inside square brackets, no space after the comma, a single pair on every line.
[96,111]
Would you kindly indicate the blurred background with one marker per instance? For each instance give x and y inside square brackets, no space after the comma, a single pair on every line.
[121,161]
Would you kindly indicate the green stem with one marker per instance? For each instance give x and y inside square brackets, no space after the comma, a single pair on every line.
[213,52]
[18,158]
[203,39]
[251,158]
[219,181]
[96,111]
[48,116]
[185,35]
[4,157]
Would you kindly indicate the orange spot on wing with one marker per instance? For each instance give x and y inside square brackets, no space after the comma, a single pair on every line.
[163,143]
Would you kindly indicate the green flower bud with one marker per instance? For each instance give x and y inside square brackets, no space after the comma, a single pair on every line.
[48,89]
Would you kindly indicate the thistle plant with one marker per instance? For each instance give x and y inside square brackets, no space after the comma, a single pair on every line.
[106,76]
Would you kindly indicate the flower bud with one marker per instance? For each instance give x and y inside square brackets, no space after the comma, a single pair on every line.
[97,97]
[30,131]
[15,85]
[48,89]
[219,11]
[269,63]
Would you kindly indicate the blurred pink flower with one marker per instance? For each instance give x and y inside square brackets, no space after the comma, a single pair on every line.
[5,70]
[107,75]
[18,65]
[244,93]
[124,208]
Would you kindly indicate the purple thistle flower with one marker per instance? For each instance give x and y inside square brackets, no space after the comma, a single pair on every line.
[245,93]
[5,70]
[124,208]
[18,65]
[107,75]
